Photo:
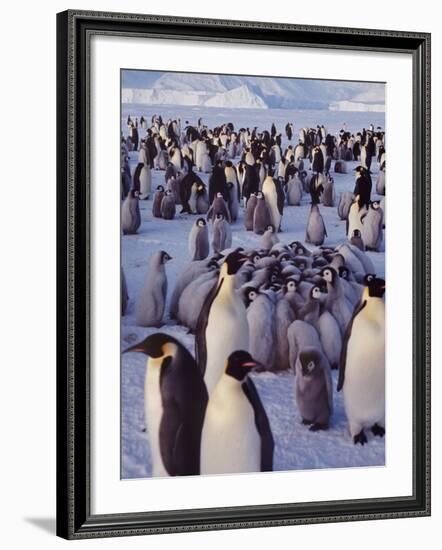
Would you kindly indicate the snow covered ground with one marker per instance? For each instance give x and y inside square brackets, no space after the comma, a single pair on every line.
[295,446]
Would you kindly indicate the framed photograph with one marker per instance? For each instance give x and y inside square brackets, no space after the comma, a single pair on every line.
[243,309]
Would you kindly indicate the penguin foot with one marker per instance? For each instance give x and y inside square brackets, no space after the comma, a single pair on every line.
[306,422]
[360,438]
[317,426]
[378,430]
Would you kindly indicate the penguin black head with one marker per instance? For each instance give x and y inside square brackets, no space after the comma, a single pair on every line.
[376,286]
[239,364]
[160,188]
[165,257]
[153,345]
[356,233]
[219,216]
[291,286]
[250,294]
[234,261]
[344,272]
[375,205]
[200,222]
[329,274]
[316,292]
[228,163]
[310,360]
[270,228]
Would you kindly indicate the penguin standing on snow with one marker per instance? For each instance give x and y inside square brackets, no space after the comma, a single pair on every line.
[130,214]
[315,231]
[270,238]
[261,319]
[356,240]
[261,215]
[219,206]
[362,366]
[222,308]
[372,223]
[199,240]
[157,199]
[218,183]
[250,211]
[236,435]
[175,400]
[222,234]
[152,298]
[313,388]
[274,195]
[289,130]
[168,208]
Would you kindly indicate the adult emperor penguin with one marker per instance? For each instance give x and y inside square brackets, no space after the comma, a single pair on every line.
[156,203]
[223,308]
[236,435]
[152,298]
[175,400]
[313,388]
[222,234]
[315,232]
[142,173]
[199,240]
[130,214]
[362,365]
[274,196]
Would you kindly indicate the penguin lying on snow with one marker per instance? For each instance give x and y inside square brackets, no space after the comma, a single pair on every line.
[175,400]
[236,435]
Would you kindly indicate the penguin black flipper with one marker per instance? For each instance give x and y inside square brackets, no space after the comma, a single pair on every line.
[345,340]
[262,425]
[280,198]
[200,332]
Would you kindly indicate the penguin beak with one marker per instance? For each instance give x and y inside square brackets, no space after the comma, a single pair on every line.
[137,348]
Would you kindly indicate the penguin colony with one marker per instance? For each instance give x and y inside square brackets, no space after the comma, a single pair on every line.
[304,307]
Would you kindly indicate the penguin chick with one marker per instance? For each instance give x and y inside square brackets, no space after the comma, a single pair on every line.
[152,298]
[222,234]
[356,240]
[313,388]
[199,240]
[168,208]
[315,231]
[270,238]
[261,319]
[156,203]
[130,214]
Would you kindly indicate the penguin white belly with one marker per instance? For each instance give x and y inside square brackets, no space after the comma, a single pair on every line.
[227,331]
[230,442]
[145,182]
[153,410]
[354,219]
[364,383]
[272,203]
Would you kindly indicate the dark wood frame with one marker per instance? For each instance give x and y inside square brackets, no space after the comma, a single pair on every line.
[74,30]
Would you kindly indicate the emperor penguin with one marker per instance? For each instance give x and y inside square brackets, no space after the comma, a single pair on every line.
[345,202]
[380,183]
[328,195]
[222,234]
[284,317]
[355,213]
[199,240]
[336,302]
[274,196]
[175,401]
[222,308]
[356,240]
[219,206]
[144,173]
[156,203]
[130,214]
[261,320]
[193,297]
[261,215]
[315,231]
[294,191]
[270,238]
[372,223]
[168,208]
[250,211]
[313,388]
[236,435]
[362,365]
[152,298]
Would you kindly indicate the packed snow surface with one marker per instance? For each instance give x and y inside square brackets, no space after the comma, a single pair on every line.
[295,446]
